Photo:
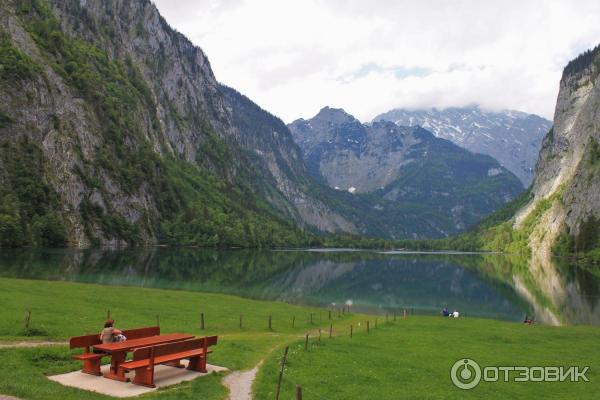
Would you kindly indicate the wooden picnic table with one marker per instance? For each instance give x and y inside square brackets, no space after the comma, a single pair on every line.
[118,351]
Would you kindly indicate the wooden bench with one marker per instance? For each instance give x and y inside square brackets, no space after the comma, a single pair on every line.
[145,358]
[92,360]
[139,333]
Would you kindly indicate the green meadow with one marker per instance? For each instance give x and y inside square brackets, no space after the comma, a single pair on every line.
[404,358]
[412,358]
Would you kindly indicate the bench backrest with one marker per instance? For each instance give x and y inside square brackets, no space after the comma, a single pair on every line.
[139,333]
[85,341]
[144,353]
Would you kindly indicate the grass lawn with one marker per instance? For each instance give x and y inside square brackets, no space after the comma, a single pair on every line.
[403,359]
[63,309]
[411,359]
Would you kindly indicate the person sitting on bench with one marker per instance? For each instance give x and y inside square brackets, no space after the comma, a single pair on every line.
[110,334]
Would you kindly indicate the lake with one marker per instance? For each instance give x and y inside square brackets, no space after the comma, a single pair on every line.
[477,285]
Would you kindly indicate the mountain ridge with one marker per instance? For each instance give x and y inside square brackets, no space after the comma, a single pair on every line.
[512,137]
[135,140]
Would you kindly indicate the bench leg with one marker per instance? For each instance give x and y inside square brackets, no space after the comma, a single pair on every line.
[197,364]
[144,377]
[116,372]
[92,366]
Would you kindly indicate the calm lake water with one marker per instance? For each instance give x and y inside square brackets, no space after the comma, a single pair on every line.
[483,285]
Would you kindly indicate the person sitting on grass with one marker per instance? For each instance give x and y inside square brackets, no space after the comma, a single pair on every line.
[445,312]
[110,334]
[455,314]
[528,320]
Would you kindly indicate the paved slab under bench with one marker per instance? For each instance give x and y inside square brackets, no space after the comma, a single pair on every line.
[163,376]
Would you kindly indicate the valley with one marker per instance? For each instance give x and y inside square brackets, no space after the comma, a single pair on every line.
[413,221]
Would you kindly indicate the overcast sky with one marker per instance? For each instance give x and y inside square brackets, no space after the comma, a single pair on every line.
[294,57]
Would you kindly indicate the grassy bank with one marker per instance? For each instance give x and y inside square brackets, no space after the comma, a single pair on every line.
[400,359]
[411,359]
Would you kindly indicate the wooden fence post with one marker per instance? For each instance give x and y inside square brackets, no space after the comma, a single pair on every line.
[306,343]
[367,326]
[285,353]
[27,319]
[202,321]
[319,335]
[157,320]
[330,315]
[330,330]
[270,326]
[298,392]
[241,320]
[293,321]
[350,331]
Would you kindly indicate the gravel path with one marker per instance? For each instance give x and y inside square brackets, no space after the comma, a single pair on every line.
[240,383]
[4,345]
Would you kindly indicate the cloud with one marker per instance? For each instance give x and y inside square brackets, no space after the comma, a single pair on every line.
[399,71]
[294,57]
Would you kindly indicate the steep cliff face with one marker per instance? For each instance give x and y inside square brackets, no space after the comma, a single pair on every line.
[132,135]
[566,197]
[408,183]
[268,145]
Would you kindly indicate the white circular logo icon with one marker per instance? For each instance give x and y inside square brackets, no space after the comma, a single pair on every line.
[465,374]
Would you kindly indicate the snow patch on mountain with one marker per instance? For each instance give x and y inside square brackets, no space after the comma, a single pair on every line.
[514,138]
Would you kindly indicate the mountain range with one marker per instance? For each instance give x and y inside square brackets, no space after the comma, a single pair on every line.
[415,185]
[115,131]
[512,137]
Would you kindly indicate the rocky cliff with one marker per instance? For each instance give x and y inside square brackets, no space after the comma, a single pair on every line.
[565,207]
[114,130]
